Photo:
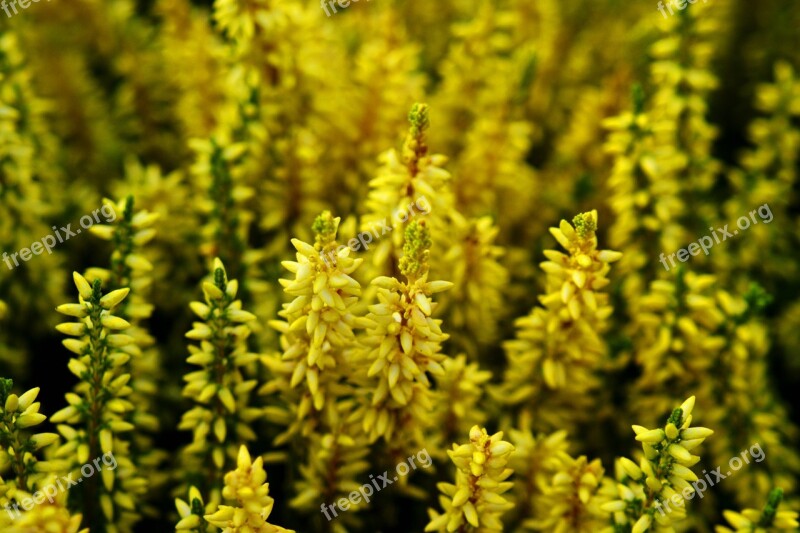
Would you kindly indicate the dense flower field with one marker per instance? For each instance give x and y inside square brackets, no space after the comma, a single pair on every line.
[399,266]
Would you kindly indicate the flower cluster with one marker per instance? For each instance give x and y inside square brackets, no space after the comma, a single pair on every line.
[19,454]
[675,341]
[317,328]
[474,502]
[574,496]
[475,307]
[334,463]
[19,413]
[29,181]
[404,347]
[94,422]
[766,174]
[535,461]
[663,473]
[460,388]
[402,179]
[247,486]
[129,234]
[47,516]
[221,417]
[685,329]
[645,218]
[558,347]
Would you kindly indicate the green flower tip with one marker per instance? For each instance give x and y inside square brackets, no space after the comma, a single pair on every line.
[220,275]
[585,223]
[676,417]
[757,298]
[97,291]
[219,279]
[416,250]
[771,509]
[637,95]
[418,117]
[775,497]
[325,227]
[5,389]
[127,214]
[197,507]
[415,147]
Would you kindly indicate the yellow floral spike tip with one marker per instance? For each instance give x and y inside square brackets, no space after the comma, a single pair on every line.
[248,487]
[474,503]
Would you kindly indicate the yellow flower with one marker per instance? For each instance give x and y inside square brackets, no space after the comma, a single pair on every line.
[572,498]
[458,404]
[769,520]
[95,421]
[474,502]
[51,515]
[247,486]
[475,307]
[764,179]
[192,512]
[129,232]
[408,186]
[403,348]
[333,468]
[17,447]
[558,346]
[535,461]
[656,488]
[317,327]
[221,417]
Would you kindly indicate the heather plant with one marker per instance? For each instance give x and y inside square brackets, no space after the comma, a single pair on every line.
[94,423]
[219,389]
[129,234]
[435,227]
[403,349]
[663,473]
[554,359]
